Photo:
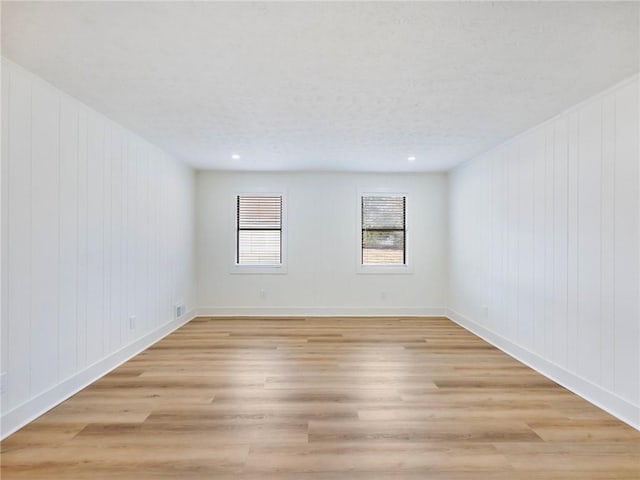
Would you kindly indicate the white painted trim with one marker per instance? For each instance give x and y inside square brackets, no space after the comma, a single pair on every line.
[321,312]
[595,394]
[25,413]
[276,269]
[365,269]
[32,409]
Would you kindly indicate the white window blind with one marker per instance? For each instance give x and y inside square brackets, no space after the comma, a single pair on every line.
[384,230]
[259,230]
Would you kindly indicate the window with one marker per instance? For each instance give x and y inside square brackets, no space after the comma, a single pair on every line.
[383,223]
[259,230]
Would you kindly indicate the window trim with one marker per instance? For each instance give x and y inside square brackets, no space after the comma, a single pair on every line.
[395,269]
[276,269]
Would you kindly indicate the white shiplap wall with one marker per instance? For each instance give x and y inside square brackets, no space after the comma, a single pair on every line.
[97,226]
[545,248]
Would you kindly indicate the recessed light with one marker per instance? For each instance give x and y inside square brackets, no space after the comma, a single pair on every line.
[412,159]
[235,156]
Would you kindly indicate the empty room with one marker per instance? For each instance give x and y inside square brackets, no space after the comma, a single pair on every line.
[320,240]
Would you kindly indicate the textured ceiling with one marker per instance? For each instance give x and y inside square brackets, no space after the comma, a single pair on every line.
[326,86]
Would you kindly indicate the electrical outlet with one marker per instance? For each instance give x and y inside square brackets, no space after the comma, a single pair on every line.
[263,294]
[3,382]
[383,295]
[132,322]
[179,310]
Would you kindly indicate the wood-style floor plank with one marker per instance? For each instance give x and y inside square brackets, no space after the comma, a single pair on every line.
[323,399]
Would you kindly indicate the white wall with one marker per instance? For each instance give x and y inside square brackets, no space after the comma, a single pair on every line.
[322,247]
[96,226]
[545,234]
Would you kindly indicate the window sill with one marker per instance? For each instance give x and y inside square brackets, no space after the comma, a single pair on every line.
[384,270]
[259,269]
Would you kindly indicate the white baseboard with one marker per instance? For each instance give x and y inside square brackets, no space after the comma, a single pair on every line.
[321,312]
[599,396]
[21,415]
[33,408]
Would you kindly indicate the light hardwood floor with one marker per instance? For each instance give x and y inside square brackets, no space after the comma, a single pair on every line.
[324,398]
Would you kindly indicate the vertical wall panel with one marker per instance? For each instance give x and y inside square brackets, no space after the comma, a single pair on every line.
[95,238]
[154,241]
[573,243]
[539,180]
[107,245]
[525,188]
[512,284]
[68,283]
[4,218]
[504,236]
[83,237]
[123,320]
[142,253]
[496,264]
[560,239]
[572,255]
[547,285]
[626,243]
[589,217]
[166,297]
[485,218]
[18,261]
[45,248]
[115,279]
[607,242]
[132,238]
